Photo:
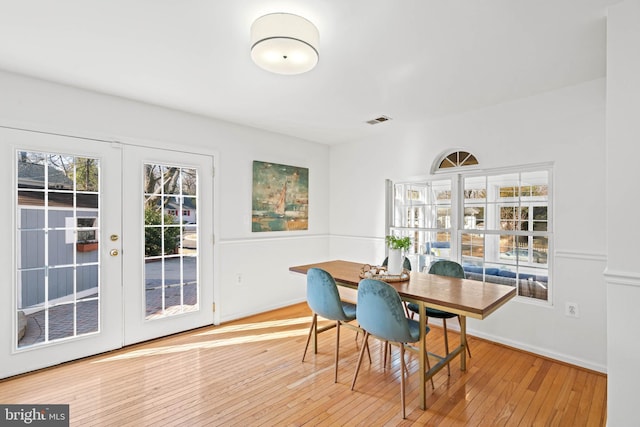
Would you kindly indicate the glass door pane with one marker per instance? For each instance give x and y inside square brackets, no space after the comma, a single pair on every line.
[171,240]
[167,264]
[58,265]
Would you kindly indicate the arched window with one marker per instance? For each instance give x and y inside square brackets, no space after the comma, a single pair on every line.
[454,159]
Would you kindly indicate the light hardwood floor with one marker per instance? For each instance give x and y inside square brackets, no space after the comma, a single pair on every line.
[249,373]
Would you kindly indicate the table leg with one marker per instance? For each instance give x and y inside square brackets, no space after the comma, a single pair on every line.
[423,354]
[463,343]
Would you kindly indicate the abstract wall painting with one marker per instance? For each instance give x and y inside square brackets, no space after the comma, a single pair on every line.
[280,199]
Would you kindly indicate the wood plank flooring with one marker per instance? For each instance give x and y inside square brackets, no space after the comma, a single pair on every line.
[249,373]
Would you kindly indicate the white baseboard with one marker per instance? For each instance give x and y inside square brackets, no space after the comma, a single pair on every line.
[241,315]
[541,351]
[453,326]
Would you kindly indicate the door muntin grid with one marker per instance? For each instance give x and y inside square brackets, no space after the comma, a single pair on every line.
[171,271]
[58,261]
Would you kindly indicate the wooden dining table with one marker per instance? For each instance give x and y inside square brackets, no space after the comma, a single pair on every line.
[466,298]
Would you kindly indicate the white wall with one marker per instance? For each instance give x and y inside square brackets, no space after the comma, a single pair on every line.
[623,175]
[261,258]
[566,127]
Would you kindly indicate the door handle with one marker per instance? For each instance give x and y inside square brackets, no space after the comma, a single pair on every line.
[114,252]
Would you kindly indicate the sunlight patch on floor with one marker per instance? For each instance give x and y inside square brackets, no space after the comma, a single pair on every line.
[158,351]
[309,377]
[258,325]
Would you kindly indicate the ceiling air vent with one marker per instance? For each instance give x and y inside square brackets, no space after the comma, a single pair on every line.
[378,120]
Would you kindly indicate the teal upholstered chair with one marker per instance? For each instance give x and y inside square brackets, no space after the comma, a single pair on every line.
[380,313]
[450,269]
[324,300]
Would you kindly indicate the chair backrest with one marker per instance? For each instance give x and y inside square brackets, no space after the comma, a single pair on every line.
[406,264]
[322,295]
[447,268]
[380,312]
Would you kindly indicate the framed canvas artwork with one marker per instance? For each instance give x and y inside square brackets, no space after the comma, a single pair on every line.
[280,200]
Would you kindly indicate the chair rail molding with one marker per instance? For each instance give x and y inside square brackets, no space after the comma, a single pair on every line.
[622,278]
[588,256]
[276,238]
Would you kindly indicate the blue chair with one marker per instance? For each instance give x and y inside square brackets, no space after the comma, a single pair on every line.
[450,269]
[324,300]
[380,313]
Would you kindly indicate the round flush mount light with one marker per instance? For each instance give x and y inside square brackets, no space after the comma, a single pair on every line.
[284,43]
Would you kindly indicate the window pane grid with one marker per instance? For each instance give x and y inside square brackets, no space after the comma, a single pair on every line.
[423,212]
[502,226]
[54,272]
[515,246]
[170,217]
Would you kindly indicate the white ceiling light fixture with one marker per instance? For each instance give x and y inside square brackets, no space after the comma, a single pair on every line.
[284,43]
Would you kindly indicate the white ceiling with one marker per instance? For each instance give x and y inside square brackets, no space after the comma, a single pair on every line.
[413,60]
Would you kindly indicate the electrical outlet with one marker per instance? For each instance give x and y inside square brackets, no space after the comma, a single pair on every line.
[571,309]
[238,278]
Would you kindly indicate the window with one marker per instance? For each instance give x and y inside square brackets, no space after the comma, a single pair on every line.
[497,225]
[455,159]
[87,229]
[505,234]
[423,212]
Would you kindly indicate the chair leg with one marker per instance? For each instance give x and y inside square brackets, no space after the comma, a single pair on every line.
[355,375]
[387,349]
[335,377]
[446,342]
[312,329]
[366,344]
[402,380]
[468,349]
[406,370]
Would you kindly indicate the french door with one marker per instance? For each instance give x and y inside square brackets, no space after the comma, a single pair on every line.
[103,247]
[167,242]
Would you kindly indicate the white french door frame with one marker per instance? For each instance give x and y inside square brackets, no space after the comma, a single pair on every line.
[137,327]
[14,136]
[14,360]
